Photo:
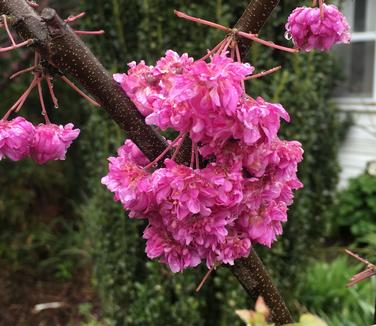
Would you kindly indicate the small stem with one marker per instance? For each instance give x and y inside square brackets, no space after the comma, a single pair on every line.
[177,150]
[263,73]
[100,32]
[164,153]
[321,2]
[361,277]
[252,37]
[213,51]
[192,156]
[17,46]
[8,31]
[205,279]
[357,257]
[202,21]
[75,88]
[239,59]
[263,42]
[73,18]
[52,93]
[18,73]
[223,50]
[26,95]
[40,93]
[21,100]
[197,157]
[232,53]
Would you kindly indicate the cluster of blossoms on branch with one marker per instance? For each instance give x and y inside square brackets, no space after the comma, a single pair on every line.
[241,177]
[19,139]
[217,212]
[318,28]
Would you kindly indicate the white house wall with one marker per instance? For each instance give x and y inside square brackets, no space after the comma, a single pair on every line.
[359,147]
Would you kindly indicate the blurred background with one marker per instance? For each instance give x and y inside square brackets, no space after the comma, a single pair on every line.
[64,240]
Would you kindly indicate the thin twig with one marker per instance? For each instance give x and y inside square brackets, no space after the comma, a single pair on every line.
[100,32]
[52,93]
[7,30]
[71,19]
[263,73]
[17,46]
[202,283]
[75,88]
[18,73]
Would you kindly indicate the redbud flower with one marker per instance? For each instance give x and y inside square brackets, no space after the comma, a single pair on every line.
[216,213]
[16,137]
[311,29]
[52,141]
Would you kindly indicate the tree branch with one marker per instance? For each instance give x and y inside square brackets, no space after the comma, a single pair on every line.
[61,48]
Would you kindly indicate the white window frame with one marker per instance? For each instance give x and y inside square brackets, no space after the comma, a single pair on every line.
[361,37]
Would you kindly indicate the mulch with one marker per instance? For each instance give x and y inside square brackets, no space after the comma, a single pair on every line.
[22,291]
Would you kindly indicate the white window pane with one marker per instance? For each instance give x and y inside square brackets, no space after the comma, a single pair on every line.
[357,61]
[361,14]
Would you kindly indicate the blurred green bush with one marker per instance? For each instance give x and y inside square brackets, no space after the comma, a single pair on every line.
[323,291]
[355,211]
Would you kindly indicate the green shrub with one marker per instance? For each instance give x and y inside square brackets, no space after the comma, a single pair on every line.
[324,292]
[356,207]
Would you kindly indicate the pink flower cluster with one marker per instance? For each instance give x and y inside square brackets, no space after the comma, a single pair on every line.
[315,28]
[216,213]
[20,139]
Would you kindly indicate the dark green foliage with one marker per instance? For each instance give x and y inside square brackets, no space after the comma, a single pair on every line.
[356,206]
[324,293]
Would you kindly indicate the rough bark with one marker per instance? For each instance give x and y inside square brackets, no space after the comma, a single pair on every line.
[60,46]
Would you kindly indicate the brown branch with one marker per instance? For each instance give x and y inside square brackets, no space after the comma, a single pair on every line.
[252,20]
[58,44]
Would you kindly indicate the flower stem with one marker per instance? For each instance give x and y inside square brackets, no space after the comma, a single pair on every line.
[40,93]
[52,93]
[18,73]
[202,283]
[177,150]
[18,105]
[8,31]
[16,46]
[202,21]
[164,153]
[75,88]
[73,18]
[269,44]
[100,32]
[264,73]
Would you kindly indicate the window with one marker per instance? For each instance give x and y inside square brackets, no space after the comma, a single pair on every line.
[359,58]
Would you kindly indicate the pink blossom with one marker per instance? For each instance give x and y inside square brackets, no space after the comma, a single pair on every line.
[311,31]
[216,213]
[16,137]
[51,142]
[177,256]
[128,180]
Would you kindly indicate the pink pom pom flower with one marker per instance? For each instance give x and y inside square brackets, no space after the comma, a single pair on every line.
[16,137]
[51,142]
[211,214]
[318,28]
